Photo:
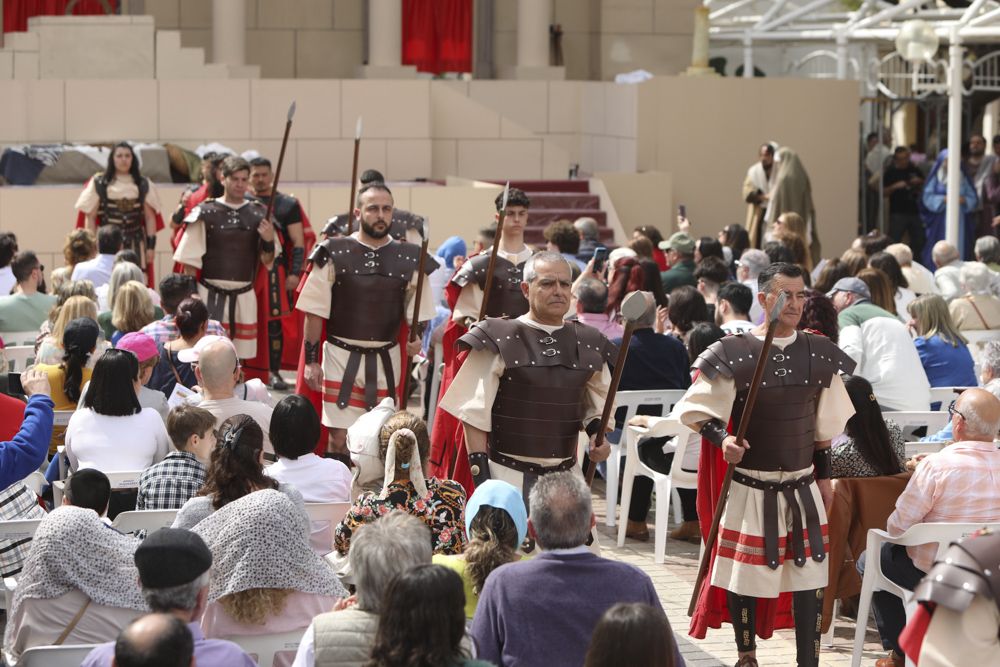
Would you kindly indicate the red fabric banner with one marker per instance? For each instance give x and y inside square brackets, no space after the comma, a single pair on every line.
[17,12]
[437,35]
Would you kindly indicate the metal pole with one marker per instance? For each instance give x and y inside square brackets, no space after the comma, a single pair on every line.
[747,57]
[952,205]
[841,56]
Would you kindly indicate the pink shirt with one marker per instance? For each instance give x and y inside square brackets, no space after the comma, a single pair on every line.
[960,484]
[602,323]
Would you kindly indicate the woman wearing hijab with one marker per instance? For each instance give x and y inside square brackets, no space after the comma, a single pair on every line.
[792,193]
[79,584]
[933,205]
[440,504]
[265,579]
[447,253]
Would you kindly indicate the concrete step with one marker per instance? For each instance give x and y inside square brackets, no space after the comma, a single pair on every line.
[549,186]
[565,200]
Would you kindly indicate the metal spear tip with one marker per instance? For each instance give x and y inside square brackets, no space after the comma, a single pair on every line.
[779,306]
[634,306]
[506,195]
[357,129]
[291,111]
[427,228]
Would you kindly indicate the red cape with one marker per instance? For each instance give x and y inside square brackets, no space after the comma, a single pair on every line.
[711,610]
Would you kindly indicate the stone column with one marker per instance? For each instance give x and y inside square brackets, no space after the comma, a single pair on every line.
[229,32]
[533,19]
[699,47]
[385,42]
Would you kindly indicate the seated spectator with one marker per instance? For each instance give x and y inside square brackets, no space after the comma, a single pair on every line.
[218,372]
[882,348]
[943,350]
[687,307]
[680,257]
[987,251]
[961,483]
[627,276]
[832,271]
[190,320]
[976,308]
[89,489]
[879,288]
[655,238]
[748,267]
[819,315]
[513,621]
[710,275]
[633,634]
[174,289]
[98,269]
[169,484]
[133,309]
[873,446]
[51,350]
[113,432]
[562,237]
[122,273]
[392,545]
[854,259]
[643,249]
[173,569]
[28,307]
[902,295]
[155,639]
[405,446]
[77,585]
[706,247]
[989,379]
[80,246]
[265,577]
[68,289]
[732,308]
[919,278]
[790,231]
[144,349]
[236,469]
[294,433]
[422,621]
[496,522]
[589,232]
[67,379]
[874,242]
[8,248]
[25,430]
[591,304]
[948,269]
[778,252]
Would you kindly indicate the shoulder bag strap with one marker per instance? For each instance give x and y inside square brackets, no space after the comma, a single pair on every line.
[72,624]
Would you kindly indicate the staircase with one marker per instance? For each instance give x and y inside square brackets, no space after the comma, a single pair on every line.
[174,61]
[561,200]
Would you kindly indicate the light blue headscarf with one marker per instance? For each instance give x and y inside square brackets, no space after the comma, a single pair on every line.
[495,493]
[453,246]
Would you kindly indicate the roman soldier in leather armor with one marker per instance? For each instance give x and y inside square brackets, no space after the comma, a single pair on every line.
[958,620]
[226,240]
[464,293]
[772,537]
[531,384]
[121,196]
[361,286]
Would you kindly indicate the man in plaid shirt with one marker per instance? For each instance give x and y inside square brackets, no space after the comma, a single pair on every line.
[179,476]
[173,289]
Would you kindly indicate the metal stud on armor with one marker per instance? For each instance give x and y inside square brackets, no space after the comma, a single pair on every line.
[506,299]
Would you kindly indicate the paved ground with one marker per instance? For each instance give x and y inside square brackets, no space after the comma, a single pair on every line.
[674,581]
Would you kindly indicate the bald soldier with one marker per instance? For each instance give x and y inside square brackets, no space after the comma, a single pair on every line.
[531,384]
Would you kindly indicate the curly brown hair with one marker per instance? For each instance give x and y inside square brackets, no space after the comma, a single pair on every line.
[404,445]
[235,469]
[492,543]
[80,245]
[255,605]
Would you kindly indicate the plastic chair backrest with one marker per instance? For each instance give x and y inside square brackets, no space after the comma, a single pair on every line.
[126,479]
[332,512]
[934,421]
[61,417]
[914,448]
[69,655]
[149,520]
[35,481]
[264,647]
[945,395]
[17,338]
[18,529]
[19,357]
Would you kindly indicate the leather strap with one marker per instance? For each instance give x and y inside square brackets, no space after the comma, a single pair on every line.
[531,468]
[978,312]
[72,624]
[217,300]
[371,371]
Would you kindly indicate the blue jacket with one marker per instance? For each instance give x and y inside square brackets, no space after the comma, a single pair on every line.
[22,455]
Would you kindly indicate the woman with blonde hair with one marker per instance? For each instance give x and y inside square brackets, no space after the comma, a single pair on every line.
[132,311]
[943,350]
[880,288]
[51,351]
[790,230]
[439,503]
[855,260]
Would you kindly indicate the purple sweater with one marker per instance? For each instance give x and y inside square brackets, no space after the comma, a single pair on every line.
[542,611]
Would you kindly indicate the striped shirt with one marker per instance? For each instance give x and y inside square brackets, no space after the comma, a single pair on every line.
[166,330]
[960,484]
[16,502]
[171,482]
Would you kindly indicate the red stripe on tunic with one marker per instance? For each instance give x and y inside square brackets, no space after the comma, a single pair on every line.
[749,549]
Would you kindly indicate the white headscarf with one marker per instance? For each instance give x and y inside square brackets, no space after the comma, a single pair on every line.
[416,470]
[260,541]
[73,550]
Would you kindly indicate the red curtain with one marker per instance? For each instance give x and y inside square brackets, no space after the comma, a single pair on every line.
[17,12]
[437,35]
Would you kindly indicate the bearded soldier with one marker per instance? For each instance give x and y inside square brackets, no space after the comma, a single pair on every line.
[404,226]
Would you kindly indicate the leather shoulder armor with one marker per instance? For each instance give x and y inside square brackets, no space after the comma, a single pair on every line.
[970,567]
[321,253]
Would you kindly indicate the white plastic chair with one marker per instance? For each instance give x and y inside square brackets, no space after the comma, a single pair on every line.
[61,417]
[120,481]
[17,338]
[911,421]
[148,520]
[943,395]
[16,530]
[35,482]
[324,518]
[19,357]
[914,448]
[67,655]
[875,580]
[631,400]
[264,647]
[663,483]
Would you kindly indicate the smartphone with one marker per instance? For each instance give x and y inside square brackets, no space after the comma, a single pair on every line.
[600,257]
[682,211]
[14,385]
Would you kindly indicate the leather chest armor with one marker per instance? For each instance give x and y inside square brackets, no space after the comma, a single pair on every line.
[540,403]
[783,428]
[232,243]
[506,298]
[125,212]
[402,221]
[969,568]
[369,289]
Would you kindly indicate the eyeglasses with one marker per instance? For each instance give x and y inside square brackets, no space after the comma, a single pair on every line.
[952,411]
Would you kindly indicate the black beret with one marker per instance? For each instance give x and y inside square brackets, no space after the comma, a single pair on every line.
[171,557]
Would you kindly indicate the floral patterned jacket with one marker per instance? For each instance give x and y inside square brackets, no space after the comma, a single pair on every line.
[442,509]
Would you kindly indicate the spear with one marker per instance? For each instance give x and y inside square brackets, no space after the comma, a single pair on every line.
[493,255]
[741,431]
[415,319]
[354,175]
[281,161]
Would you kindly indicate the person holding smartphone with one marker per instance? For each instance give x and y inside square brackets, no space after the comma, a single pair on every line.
[26,449]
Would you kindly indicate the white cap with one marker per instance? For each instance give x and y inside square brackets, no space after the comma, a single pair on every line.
[190,355]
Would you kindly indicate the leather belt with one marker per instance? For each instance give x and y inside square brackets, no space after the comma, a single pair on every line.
[812,527]
[371,355]
[217,297]
[524,466]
